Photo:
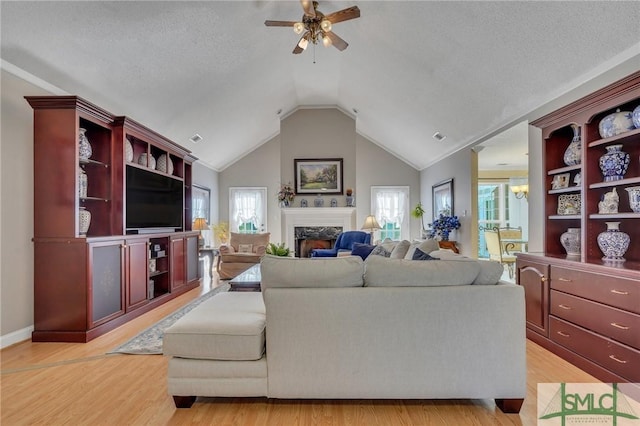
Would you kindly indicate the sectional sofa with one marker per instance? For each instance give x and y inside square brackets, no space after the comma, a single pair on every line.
[344,328]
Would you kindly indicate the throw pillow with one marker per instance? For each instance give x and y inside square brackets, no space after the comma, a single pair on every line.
[380,251]
[362,250]
[245,248]
[420,255]
[400,250]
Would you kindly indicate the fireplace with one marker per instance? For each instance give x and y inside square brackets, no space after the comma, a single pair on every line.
[328,218]
[308,238]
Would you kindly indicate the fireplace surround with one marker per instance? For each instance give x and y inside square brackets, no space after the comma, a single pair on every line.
[328,218]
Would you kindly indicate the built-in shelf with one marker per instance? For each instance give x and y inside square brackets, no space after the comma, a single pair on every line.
[564,190]
[564,169]
[564,216]
[607,141]
[628,181]
[624,215]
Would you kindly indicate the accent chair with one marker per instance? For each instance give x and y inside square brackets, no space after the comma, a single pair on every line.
[344,244]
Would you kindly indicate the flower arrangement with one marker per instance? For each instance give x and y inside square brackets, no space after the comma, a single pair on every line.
[286,194]
[442,227]
[221,231]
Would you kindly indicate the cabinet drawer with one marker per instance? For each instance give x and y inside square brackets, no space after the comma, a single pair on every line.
[615,357]
[611,322]
[619,292]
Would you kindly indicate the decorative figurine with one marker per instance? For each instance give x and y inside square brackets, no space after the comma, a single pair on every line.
[609,203]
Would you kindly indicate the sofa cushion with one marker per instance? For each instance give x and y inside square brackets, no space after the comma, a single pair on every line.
[400,250]
[490,270]
[311,272]
[362,250]
[420,255]
[229,326]
[382,272]
[427,246]
[380,250]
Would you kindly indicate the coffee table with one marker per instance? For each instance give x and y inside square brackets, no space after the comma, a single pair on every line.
[249,280]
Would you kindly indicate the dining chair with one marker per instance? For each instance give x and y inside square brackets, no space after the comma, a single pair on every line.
[496,252]
[512,234]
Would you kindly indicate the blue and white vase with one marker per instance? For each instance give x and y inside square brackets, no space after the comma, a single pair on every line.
[615,124]
[84,147]
[635,117]
[573,152]
[613,243]
[634,198]
[614,163]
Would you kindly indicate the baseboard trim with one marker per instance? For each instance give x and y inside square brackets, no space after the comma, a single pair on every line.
[16,337]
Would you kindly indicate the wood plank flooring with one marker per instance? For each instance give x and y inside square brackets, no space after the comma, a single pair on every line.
[79,384]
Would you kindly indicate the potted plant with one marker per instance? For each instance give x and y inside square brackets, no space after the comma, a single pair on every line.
[286,195]
[278,250]
[418,212]
[442,227]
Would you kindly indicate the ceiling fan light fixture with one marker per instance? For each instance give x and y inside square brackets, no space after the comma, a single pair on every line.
[303,43]
[326,41]
[298,27]
[325,25]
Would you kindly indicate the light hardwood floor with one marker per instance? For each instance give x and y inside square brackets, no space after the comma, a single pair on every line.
[79,384]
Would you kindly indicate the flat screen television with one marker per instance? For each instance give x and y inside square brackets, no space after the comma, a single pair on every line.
[152,201]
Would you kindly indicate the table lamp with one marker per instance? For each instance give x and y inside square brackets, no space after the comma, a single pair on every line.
[200,224]
[371,225]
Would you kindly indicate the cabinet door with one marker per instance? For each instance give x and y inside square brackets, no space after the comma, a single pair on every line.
[533,276]
[178,266]
[137,273]
[107,282]
[193,272]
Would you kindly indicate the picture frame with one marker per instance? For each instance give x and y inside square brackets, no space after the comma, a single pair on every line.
[561,181]
[442,198]
[200,202]
[318,176]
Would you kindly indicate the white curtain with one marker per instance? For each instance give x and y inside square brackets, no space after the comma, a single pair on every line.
[390,205]
[247,205]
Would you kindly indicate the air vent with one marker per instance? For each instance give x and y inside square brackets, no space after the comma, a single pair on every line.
[439,136]
[195,138]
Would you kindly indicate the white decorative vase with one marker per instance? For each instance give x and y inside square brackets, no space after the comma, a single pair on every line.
[613,243]
[147,160]
[84,147]
[84,220]
[164,164]
[573,153]
[634,198]
[615,124]
[83,183]
[570,240]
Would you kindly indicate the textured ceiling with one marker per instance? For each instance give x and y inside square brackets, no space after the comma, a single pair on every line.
[465,69]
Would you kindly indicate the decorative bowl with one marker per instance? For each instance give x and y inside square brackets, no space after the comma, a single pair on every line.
[615,124]
[164,164]
[128,151]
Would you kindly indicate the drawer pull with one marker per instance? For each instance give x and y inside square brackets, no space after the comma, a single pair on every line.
[568,308]
[563,334]
[566,280]
[624,293]
[613,357]
[620,326]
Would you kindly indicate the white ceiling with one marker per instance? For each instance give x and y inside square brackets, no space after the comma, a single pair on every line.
[465,69]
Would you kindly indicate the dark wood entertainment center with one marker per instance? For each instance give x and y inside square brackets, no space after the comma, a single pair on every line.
[86,285]
[585,309]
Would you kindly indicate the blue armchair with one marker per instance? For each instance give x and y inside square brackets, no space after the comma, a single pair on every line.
[344,243]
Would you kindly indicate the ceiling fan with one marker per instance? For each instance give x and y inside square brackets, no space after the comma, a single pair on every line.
[317,26]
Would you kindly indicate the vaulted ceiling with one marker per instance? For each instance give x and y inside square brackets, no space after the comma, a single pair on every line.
[464,69]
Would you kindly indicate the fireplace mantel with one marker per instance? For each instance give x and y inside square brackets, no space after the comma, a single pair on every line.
[293,217]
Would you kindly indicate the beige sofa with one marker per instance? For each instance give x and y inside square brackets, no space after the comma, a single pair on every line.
[344,328]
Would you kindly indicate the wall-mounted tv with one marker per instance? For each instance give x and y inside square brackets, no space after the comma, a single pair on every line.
[153,200]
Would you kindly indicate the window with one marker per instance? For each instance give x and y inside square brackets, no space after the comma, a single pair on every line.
[389,204]
[248,210]
[493,209]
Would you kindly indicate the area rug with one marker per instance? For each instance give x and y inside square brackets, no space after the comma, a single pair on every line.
[149,341]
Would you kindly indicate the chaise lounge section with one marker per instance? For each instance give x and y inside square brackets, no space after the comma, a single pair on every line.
[342,328]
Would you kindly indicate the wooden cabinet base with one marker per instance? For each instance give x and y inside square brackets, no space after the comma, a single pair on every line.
[88,335]
[509,405]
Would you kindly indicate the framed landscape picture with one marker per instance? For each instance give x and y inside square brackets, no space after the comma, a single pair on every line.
[318,176]
[442,195]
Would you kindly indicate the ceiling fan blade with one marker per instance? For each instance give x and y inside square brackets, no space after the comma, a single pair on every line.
[309,9]
[279,23]
[344,15]
[298,49]
[337,42]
